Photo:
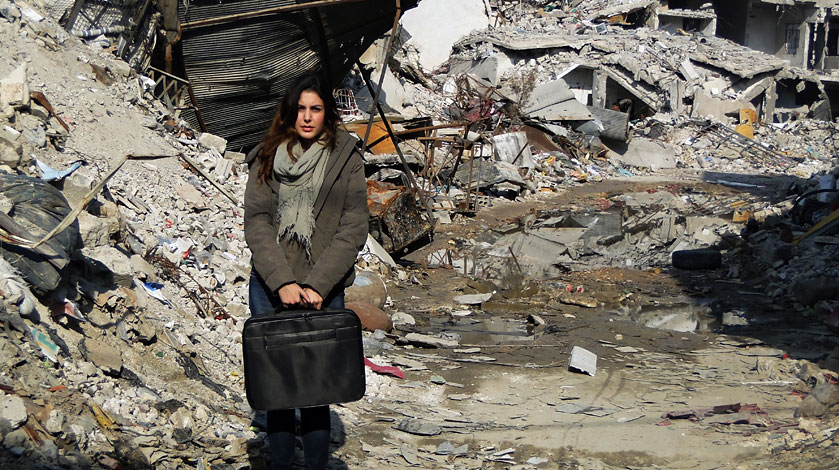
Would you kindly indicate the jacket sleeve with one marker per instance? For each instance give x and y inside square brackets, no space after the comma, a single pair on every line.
[340,255]
[267,256]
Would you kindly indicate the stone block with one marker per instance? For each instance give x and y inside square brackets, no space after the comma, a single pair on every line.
[213,141]
[14,89]
[368,287]
[97,231]
[10,151]
[116,261]
[372,318]
[13,410]
[103,355]
[121,68]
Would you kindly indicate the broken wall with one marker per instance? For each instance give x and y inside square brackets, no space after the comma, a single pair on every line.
[435,25]
[707,26]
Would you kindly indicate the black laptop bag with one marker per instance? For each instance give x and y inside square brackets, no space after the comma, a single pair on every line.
[298,359]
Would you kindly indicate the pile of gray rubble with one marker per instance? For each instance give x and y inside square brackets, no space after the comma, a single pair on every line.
[121,340]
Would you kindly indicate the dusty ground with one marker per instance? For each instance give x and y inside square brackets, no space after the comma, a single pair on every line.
[501,393]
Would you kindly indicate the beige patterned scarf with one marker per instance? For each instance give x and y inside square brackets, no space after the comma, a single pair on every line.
[300,183]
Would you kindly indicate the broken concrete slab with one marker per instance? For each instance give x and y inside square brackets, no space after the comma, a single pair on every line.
[14,89]
[431,341]
[648,153]
[13,410]
[419,427]
[485,173]
[554,101]
[582,360]
[706,106]
[212,141]
[489,69]
[513,148]
[103,355]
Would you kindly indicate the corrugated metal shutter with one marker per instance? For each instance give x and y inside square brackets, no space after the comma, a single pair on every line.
[240,69]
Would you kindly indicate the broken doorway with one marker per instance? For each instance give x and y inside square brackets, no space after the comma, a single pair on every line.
[795,99]
[732,17]
[816,43]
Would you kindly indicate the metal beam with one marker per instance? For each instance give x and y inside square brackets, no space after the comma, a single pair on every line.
[263,12]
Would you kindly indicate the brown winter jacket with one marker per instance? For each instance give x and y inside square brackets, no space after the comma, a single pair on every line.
[341,224]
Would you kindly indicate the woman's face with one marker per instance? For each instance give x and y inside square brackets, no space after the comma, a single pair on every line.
[310,117]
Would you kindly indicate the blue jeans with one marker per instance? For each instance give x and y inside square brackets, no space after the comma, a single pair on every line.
[314,422]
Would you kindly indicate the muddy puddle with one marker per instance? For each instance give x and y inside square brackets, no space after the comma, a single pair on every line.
[485,331]
[682,317]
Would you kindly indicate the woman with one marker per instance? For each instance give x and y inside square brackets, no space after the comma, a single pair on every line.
[305,221]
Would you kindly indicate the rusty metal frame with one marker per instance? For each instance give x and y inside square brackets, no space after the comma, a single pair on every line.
[174,88]
[264,12]
[375,94]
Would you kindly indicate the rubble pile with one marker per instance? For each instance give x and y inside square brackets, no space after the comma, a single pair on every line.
[121,340]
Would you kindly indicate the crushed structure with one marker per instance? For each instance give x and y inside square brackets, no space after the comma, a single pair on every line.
[647,188]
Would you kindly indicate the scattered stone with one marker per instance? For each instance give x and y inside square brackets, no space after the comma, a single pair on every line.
[97,231]
[402,318]
[734,318]
[212,141]
[14,89]
[473,299]
[372,318]
[582,360]
[367,287]
[578,300]
[13,410]
[121,68]
[115,261]
[55,422]
[105,356]
[191,196]
[820,400]
[431,341]
[11,150]
[418,427]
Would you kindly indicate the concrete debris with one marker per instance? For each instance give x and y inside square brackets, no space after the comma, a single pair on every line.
[368,287]
[646,153]
[372,318]
[582,360]
[13,410]
[14,88]
[611,172]
[214,142]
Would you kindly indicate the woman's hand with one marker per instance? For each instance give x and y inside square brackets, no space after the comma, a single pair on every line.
[292,295]
[313,299]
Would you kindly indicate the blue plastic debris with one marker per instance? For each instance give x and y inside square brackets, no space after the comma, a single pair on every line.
[50,174]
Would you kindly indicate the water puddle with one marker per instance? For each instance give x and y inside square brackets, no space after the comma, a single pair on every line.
[682,317]
[486,331]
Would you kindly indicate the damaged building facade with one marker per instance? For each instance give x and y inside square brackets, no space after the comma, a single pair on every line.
[804,35]
[202,60]
[579,196]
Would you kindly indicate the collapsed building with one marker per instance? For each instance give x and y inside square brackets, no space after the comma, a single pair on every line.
[123,352]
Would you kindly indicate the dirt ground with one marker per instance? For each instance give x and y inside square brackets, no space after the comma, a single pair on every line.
[507,393]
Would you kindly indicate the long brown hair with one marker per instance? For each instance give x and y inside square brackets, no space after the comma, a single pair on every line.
[282,127]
